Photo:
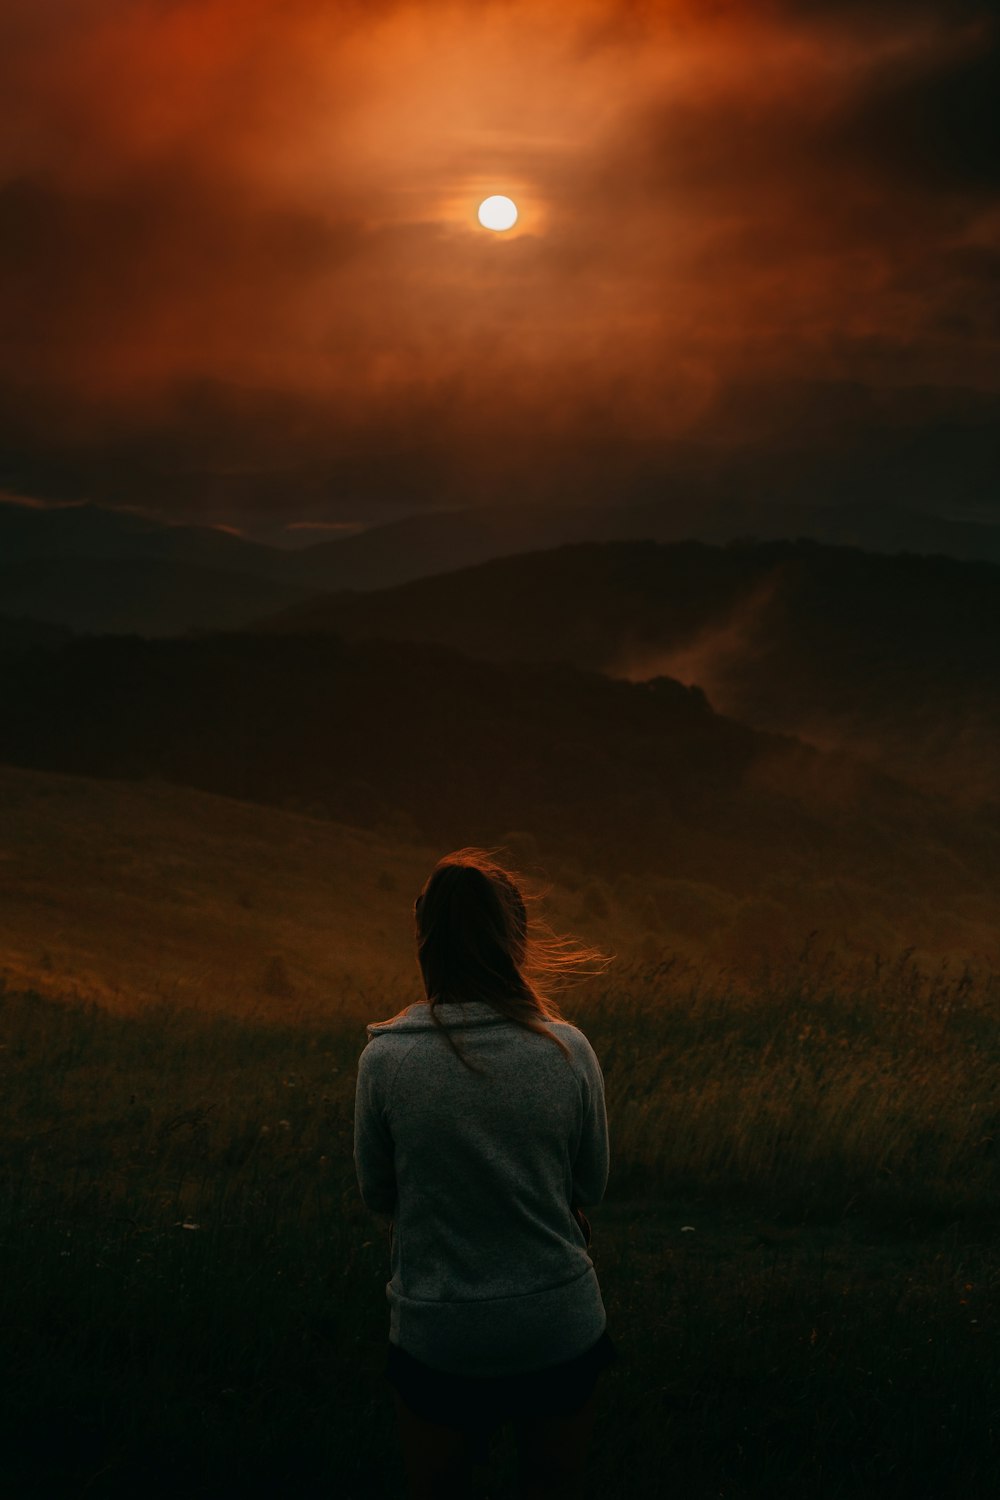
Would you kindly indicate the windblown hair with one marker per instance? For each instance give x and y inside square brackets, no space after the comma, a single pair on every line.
[475,942]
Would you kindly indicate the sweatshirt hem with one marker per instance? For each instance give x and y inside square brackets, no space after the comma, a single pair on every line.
[500,1335]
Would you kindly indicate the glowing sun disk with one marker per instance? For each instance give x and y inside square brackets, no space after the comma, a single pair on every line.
[497,212]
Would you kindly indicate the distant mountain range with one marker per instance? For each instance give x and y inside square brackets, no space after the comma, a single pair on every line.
[894,659]
[157,579]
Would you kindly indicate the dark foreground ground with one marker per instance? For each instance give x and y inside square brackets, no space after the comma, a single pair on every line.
[192,1296]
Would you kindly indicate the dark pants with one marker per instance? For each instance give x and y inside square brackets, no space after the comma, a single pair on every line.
[446,1422]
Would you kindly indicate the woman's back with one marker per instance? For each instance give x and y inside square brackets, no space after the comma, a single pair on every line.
[480,1167]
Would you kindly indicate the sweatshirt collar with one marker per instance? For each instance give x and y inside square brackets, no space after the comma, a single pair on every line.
[417,1017]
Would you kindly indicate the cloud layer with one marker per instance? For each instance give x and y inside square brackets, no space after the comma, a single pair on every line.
[241,272]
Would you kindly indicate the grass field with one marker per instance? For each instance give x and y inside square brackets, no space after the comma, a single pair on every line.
[136,893]
[798,1249]
[133,894]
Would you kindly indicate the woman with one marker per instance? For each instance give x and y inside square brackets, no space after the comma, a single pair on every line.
[480,1130]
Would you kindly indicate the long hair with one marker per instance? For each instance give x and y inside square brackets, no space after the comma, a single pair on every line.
[475,942]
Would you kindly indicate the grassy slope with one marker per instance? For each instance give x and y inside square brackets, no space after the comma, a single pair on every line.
[628,783]
[192,1295]
[132,893]
[129,893]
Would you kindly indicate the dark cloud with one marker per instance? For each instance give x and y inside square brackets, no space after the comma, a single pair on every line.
[880,12]
[938,126]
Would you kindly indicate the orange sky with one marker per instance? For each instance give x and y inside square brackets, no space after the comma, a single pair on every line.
[241,270]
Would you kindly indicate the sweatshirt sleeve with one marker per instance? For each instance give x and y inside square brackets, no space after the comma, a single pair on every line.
[590,1168]
[374,1157]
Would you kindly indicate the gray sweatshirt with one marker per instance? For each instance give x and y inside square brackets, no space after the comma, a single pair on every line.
[490,1270]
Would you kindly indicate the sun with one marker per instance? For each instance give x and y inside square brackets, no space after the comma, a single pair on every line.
[498,212]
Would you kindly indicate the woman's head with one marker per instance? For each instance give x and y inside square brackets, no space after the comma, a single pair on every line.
[475,942]
[472,931]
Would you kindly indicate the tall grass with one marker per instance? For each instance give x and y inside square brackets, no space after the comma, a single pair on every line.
[796,1250]
[818,1088]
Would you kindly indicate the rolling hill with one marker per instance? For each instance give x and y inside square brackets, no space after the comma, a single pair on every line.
[136,595]
[142,893]
[74,531]
[105,570]
[892,659]
[632,792]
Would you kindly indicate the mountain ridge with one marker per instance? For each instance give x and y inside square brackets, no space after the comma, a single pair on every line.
[891,658]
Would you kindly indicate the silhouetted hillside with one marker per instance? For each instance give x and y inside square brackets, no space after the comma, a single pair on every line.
[144,595]
[892,658]
[29,532]
[688,506]
[710,496]
[615,778]
[24,635]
